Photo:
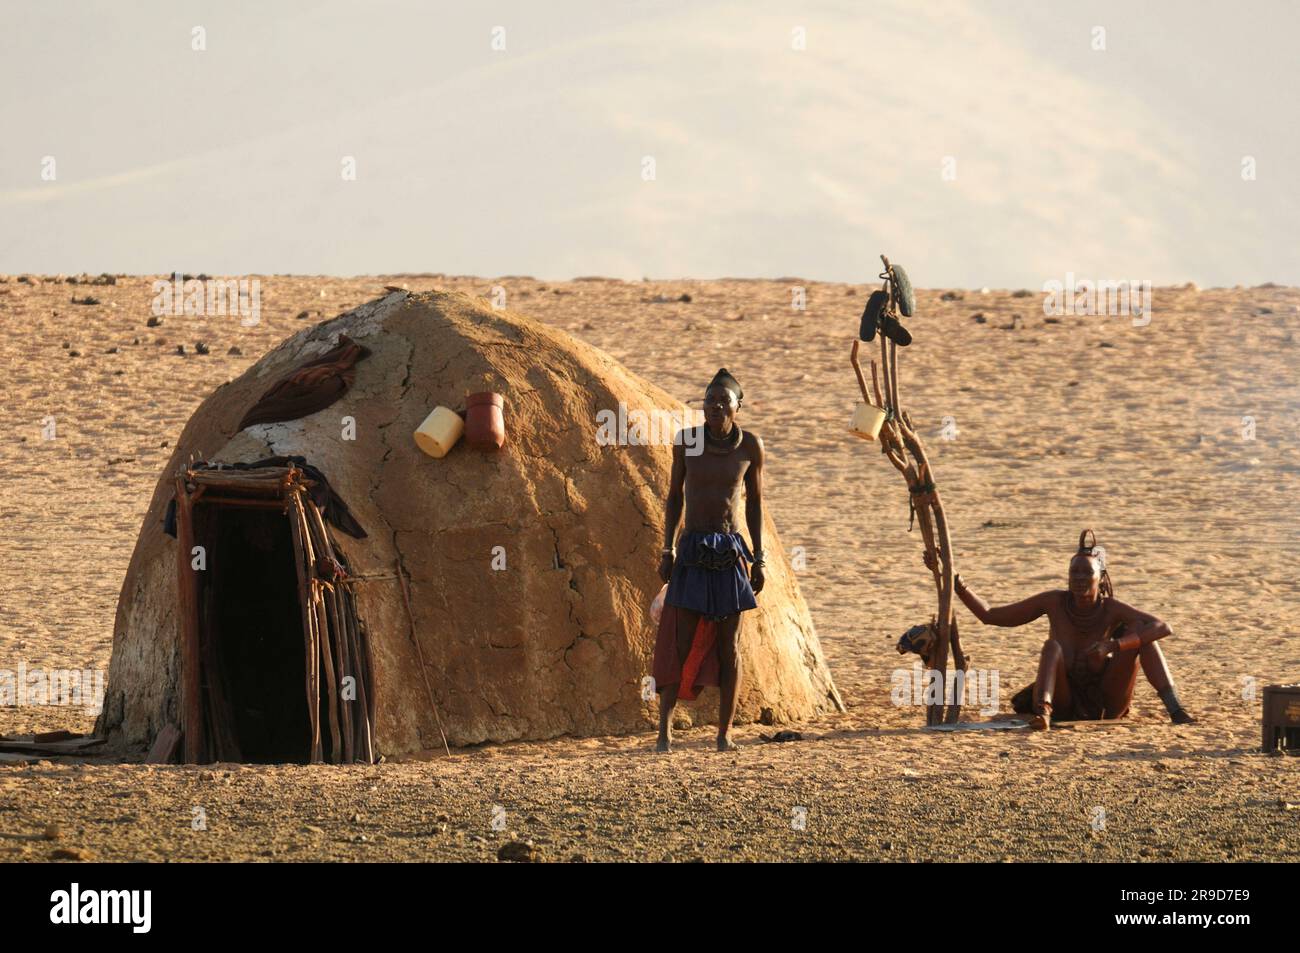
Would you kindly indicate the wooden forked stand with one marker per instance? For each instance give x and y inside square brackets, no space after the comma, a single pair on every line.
[901,444]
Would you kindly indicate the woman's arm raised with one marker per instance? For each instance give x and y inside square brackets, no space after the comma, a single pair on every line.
[1018,613]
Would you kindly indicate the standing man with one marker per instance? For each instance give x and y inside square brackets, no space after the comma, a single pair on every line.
[712,576]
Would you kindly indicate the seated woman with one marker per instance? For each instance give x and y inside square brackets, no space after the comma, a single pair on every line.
[1089,662]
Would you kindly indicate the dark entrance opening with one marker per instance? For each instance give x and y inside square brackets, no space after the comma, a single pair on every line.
[250,631]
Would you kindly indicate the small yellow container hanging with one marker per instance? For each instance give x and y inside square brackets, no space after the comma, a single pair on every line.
[867,421]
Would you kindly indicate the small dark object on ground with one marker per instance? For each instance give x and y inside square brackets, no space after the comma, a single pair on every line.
[520,851]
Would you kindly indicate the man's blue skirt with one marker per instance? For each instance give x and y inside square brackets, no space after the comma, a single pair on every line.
[711,575]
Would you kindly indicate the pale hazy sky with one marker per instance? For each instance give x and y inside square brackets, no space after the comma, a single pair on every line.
[1124,163]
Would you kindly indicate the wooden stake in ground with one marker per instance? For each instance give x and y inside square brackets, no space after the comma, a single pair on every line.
[904,449]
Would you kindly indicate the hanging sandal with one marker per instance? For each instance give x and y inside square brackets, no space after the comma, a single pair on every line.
[903,293]
[871,315]
[893,329]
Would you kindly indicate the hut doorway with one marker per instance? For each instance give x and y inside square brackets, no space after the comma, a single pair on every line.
[275,666]
[250,631]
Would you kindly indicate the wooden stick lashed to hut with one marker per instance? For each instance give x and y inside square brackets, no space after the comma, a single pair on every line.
[303,559]
[191,700]
[424,672]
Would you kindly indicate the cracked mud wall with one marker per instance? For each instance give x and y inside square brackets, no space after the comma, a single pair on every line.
[555,643]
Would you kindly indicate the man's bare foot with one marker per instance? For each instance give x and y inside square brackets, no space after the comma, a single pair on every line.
[665,744]
[726,744]
[1181,717]
[1042,719]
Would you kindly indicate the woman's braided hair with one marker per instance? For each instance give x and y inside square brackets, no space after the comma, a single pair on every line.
[1098,553]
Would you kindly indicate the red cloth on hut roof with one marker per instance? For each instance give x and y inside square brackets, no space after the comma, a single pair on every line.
[310,387]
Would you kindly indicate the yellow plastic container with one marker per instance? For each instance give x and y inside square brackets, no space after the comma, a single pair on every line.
[439,432]
[867,421]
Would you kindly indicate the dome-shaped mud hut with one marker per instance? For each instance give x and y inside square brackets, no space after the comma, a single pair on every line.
[320,588]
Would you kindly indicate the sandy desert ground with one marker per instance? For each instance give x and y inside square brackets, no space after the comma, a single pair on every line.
[1084,421]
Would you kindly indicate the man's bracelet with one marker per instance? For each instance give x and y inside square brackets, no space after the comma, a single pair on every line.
[666,551]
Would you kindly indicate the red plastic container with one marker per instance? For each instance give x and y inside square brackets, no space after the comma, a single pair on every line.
[485,422]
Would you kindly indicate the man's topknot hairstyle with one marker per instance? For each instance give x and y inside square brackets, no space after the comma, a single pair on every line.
[724,379]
